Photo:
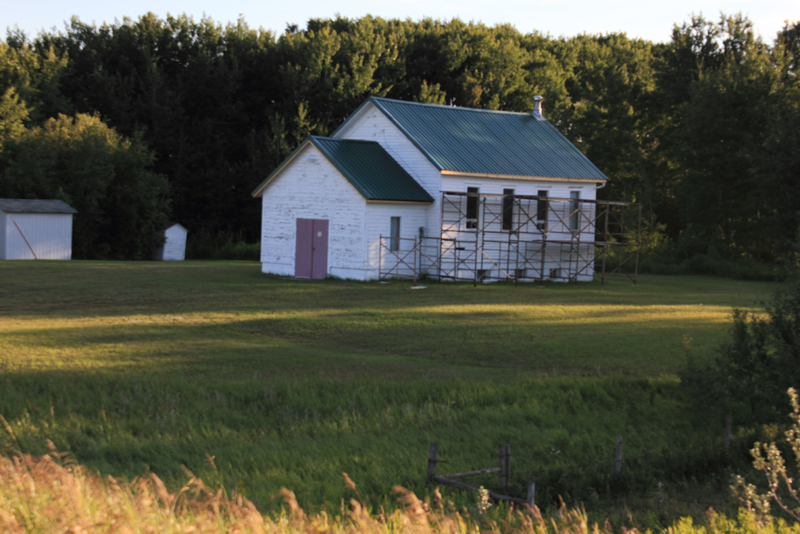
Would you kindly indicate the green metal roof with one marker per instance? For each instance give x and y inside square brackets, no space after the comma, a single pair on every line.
[368,168]
[488,142]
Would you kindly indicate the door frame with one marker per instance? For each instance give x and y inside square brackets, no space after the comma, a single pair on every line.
[311,248]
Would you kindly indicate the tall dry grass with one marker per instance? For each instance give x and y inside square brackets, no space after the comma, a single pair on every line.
[52,494]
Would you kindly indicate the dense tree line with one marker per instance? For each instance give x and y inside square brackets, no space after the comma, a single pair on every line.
[702,130]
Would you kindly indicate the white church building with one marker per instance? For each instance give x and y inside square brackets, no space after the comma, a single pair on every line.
[409,189]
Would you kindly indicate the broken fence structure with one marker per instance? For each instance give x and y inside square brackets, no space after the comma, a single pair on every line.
[503,469]
[486,237]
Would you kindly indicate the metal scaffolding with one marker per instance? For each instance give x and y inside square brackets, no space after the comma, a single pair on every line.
[486,237]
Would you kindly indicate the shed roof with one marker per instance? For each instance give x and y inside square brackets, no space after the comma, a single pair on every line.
[488,142]
[170,224]
[368,168]
[16,205]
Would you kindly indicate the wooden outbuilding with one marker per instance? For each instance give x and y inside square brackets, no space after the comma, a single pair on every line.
[35,229]
[171,243]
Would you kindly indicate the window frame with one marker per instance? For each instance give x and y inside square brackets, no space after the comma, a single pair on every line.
[542,207]
[508,210]
[394,234]
[574,210]
[473,207]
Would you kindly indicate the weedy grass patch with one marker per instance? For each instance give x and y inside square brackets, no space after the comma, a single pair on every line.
[256,383]
[52,494]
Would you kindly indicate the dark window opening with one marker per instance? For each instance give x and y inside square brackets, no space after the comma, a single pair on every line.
[508,209]
[394,240]
[574,209]
[472,207]
[542,206]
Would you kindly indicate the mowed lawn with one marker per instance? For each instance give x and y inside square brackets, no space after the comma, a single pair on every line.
[229,321]
[256,382]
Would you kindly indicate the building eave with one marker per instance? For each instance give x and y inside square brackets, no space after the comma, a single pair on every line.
[516,177]
[425,202]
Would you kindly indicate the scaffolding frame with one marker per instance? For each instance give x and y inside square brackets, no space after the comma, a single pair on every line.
[492,237]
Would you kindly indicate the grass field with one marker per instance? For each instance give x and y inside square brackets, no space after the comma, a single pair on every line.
[288,383]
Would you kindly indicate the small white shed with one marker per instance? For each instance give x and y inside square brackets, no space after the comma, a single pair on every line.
[174,243]
[35,229]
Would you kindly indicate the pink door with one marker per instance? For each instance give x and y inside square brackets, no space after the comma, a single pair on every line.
[311,249]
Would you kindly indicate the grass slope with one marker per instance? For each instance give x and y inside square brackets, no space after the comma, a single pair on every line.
[226,320]
[135,366]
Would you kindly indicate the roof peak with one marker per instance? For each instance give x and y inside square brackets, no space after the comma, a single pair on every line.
[445,106]
[339,140]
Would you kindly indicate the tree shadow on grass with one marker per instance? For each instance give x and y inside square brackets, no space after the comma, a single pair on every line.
[353,343]
[108,289]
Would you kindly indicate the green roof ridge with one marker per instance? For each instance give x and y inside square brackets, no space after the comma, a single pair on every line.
[445,106]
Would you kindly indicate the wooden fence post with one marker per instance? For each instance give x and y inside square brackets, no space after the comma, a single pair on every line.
[531,492]
[508,464]
[728,425]
[501,458]
[618,460]
[433,457]
[415,261]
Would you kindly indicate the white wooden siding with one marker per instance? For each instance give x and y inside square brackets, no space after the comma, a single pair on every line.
[3,218]
[379,216]
[49,234]
[372,125]
[175,244]
[526,187]
[311,188]
[528,254]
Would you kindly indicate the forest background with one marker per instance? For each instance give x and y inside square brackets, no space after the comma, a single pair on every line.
[153,119]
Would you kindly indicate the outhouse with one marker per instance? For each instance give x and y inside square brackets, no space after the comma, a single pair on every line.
[171,243]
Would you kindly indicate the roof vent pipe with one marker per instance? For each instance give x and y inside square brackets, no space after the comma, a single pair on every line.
[537,107]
